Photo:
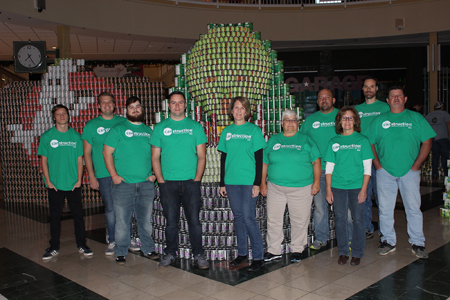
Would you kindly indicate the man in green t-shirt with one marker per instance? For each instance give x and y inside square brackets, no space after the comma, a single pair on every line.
[128,159]
[368,111]
[94,134]
[320,127]
[396,138]
[179,158]
[61,154]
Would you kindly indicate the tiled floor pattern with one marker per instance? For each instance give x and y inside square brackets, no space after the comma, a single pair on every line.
[317,277]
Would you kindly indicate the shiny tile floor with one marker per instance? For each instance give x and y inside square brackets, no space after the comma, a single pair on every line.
[24,236]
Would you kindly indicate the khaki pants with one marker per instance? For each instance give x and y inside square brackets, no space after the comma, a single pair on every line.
[299,201]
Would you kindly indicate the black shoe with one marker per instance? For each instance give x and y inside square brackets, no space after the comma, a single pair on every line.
[296,257]
[120,260]
[238,260]
[269,257]
[369,234]
[153,255]
[256,265]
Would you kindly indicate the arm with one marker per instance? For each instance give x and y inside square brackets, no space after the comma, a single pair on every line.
[222,190]
[329,196]
[80,172]
[44,165]
[317,169]
[156,163]
[109,162]
[258,176]
[423,153]
[448,129]
[362,196]
[87,150]
[263,187]
[201,161]
[376,162]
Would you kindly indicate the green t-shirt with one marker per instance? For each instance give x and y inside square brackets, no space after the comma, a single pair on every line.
[62,150]
[348,153]
[240,142]
[368,112]
[320,127]
[178,141]
[290,159]
[397,139]
[95,133]
[132,154]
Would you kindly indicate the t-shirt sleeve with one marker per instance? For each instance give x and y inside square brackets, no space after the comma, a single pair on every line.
[155,139]
[447,117]
[112,139]
[79,142]
[367,152]
[222,146]
[266,152]
[258,139]
[372,132]
[426,131]
[314,153]
[43,146]
[201,136]
[87,135]
[330,156]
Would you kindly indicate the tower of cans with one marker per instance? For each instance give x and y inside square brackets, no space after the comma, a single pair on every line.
[25,113]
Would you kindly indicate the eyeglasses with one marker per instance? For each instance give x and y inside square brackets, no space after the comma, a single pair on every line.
[290,121]
[348,119]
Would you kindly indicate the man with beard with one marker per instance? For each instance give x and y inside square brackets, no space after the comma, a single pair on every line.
[396,138]
[94,135]
[127,154]
[320,127]
[368,110]
[179,158]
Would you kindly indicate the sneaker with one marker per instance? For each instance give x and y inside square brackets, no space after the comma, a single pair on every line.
[385,248]
[153,255]
[121,260]
[269,257]
[166,260]
[369,234]
[238,260]
[201,261]
[317,245]
[296,257]
[49,254]
[256,265]
[85,250]
[419,251]
[110,249]
[134,245]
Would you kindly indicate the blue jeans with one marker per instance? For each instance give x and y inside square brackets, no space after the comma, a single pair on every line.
[173,194]
[371,189]
[439,150]
[243,206]
[321,226]
[409,186]
[137,197]
[343,200]
[105,188]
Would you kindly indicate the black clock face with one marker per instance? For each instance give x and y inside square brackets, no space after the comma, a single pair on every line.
[29,56]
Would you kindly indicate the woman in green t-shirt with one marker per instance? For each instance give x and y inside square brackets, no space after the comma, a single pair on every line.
[292,163]
[348,169]
[242,145]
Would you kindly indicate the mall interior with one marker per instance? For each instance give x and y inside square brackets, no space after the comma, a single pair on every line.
[143,48]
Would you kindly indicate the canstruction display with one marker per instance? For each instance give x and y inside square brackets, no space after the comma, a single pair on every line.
[25,113]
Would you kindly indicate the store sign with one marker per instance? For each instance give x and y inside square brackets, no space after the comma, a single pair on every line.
[348,83]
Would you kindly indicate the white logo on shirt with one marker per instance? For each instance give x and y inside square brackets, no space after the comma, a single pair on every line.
[228,136]
[279,146]
[167,131]
[360,114]
[101,130]
[317,124]
[336,147]
[128,133]
[54,144]
[386,124]
[276,146]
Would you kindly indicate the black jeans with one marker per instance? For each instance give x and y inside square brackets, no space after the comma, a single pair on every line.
[173,194]
[56,203]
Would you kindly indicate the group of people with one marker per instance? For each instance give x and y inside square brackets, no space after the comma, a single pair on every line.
[338,157]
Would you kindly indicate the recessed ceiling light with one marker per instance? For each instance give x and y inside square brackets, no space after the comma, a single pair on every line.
[53,47]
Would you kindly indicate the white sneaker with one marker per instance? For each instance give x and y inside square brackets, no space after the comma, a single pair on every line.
[110,249]
[134,245]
